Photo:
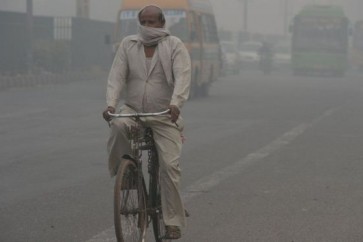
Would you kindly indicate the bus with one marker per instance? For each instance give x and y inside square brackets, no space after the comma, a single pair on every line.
[320,40]
[357,46]
[194,23]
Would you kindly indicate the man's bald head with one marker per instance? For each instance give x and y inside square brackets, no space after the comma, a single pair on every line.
[152,16]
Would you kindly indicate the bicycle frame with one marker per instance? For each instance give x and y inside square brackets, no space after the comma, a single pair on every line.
[141,139]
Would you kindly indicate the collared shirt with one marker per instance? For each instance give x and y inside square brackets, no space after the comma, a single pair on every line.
[147,89]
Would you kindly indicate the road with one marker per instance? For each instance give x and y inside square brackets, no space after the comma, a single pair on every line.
[266,158]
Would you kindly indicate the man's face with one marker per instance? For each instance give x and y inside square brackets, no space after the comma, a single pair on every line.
[150,17]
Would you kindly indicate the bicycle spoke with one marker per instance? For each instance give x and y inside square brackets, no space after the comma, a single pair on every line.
[130,208]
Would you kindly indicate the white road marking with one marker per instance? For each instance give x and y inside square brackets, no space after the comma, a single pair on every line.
[208,182]
[23,113]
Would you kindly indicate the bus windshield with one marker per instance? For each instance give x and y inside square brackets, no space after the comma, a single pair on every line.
[175,22]
[250,46]
[358,36]
[320,34]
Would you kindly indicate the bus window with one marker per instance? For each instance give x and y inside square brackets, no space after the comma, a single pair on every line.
[128,23]
[317,34]
[176,22]
[193,29]
[209,28]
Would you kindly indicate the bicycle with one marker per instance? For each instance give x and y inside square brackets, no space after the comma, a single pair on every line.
[135,206]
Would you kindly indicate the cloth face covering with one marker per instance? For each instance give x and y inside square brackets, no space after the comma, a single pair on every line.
[150,36]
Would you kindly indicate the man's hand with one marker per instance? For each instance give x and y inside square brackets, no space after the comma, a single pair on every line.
[174,112]
[105,113]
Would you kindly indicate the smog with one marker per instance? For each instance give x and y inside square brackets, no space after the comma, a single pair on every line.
[271,130]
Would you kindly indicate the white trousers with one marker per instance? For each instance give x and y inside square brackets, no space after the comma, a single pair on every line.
[168,142]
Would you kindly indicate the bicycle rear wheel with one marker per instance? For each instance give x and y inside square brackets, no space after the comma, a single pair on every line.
[129,204]
[157,215]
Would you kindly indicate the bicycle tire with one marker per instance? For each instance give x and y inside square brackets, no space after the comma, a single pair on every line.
[130,215]
[157,215]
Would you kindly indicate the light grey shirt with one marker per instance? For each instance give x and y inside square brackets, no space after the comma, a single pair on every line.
[145,88]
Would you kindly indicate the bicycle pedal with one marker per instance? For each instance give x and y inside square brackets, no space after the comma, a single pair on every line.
[187,214]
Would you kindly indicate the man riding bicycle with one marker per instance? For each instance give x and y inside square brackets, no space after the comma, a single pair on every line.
[153,70]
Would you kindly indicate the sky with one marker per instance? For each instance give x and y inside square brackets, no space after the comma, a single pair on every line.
[265,16]
[100,9]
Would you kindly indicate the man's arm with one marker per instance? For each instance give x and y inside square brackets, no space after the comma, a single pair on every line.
[182,78]
[117,77]
[116,81]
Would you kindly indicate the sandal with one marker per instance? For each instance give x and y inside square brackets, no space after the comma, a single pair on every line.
[172,232]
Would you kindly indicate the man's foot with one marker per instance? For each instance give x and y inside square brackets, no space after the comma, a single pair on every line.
[172,232]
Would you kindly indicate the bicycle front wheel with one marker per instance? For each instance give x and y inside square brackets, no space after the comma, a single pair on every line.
[129,204]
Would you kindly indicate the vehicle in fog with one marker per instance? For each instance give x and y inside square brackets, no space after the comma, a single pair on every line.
[320,40]
[266,54]
[194,23]
[231,58]
[357,46]
[282,55]
[249,53]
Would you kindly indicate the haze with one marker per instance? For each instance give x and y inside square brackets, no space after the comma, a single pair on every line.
[273,126]
[265,16]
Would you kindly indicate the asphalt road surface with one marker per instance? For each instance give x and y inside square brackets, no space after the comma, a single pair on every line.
[267,158]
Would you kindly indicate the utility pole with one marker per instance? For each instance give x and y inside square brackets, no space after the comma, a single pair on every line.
[286,16]
[83,8]
[245,16]
[29,33]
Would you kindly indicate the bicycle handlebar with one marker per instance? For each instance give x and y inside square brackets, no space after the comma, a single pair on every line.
[125,115]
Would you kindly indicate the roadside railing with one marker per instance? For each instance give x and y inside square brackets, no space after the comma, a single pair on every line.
[49,78]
